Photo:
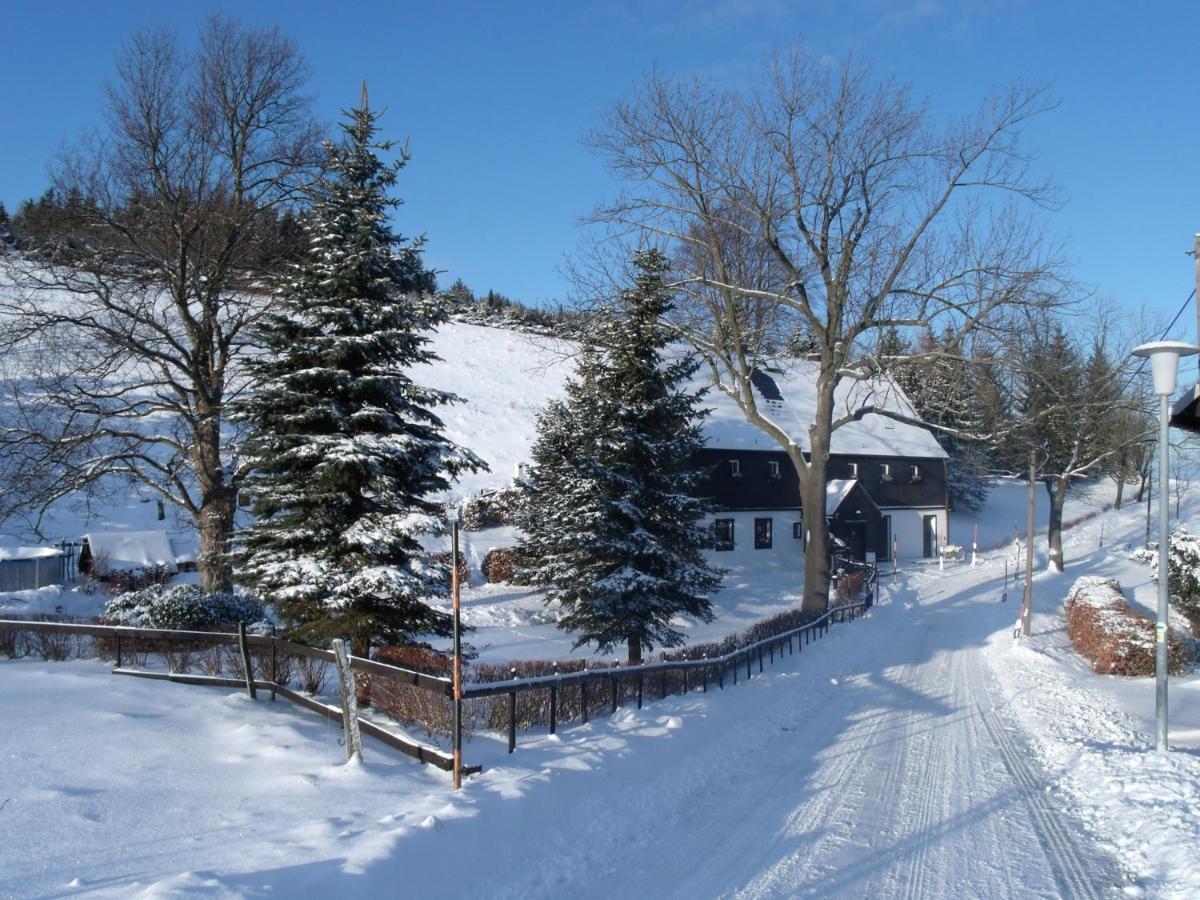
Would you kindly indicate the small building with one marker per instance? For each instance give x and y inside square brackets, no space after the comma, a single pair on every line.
[108,553]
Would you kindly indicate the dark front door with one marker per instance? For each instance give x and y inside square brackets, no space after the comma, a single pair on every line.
[856,539]
[930,529]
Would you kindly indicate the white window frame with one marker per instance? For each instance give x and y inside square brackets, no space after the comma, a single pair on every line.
[773,468]
[885,471]
[735,468]
[853,470]
[915,471]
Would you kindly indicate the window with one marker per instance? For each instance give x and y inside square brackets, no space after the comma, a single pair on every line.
[762,534]
[798,532]
[916,473]
[853,469]
[885,472]
[773,469]
[723,534]
[735,468]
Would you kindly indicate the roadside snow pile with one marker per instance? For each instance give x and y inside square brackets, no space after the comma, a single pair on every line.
[184,606]
[1114,637]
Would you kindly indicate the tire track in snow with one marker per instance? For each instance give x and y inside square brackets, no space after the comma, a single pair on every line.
[843,789]
[929,786]
[1074,868]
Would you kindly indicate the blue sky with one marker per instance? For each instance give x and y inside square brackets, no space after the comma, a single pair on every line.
[495,97]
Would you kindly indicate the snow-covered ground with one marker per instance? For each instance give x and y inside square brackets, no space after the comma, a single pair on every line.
[919,753]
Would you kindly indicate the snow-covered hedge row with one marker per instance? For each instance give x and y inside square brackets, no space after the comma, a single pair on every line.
[491,509]
[186,607]
[1114,637]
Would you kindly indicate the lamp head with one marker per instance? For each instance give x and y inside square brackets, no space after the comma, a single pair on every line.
[451,512]
[1164,362]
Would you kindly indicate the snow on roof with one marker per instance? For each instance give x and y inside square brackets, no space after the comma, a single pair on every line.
[506,377]
[122,551]
[794,382]
[836,492]
[7,553]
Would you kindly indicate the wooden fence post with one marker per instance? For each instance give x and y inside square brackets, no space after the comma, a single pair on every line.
[583,698]
[614,695]
[349,701]
[250,692]
[553,708]
[641,685]
[704,674]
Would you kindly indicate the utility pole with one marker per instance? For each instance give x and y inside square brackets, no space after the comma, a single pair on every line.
[1027,606]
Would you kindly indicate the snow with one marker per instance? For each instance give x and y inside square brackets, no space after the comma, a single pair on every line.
[123,551]
[836,492]
[7,553]
[919,750]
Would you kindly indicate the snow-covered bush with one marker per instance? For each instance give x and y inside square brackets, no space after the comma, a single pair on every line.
[1117,639]
[1183,573]
[184,607]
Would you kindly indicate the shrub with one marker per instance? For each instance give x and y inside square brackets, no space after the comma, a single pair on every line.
[184,607]
[1117,639]
[1183,573]
[12,643]
[491,509]
[498,565]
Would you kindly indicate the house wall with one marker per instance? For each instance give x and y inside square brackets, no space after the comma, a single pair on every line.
[786,553]
[757,488]
[908,525]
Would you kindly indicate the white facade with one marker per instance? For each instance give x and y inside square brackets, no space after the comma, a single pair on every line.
[786,552]
[908,527]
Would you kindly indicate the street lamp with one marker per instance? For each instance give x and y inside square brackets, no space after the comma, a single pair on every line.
[452,518]
[1164,362]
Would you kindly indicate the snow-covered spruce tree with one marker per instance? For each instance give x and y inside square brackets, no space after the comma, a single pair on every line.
[612,520]
[347,452]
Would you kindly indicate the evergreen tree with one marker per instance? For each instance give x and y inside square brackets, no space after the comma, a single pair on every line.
[612,520]
[946,392]
[346,450]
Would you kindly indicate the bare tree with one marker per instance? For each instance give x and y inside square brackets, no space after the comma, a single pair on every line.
[1078,402]
[142,319]
[825,202]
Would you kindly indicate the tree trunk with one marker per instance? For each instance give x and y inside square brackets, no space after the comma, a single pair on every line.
[1027,606]
[218,502]
[1057,489]
[635,650]
[1120,493]
[1141,489]
[816,545]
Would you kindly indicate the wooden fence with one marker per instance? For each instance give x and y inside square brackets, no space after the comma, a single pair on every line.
[273,665]
[549,699]
[607,688]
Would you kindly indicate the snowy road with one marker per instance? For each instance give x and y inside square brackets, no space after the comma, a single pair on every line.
[878,767]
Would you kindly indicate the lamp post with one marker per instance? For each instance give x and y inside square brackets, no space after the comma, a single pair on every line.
[1164,362]
[452,518]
